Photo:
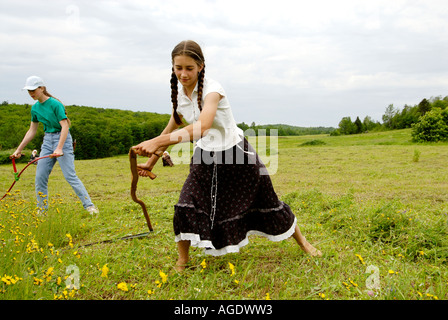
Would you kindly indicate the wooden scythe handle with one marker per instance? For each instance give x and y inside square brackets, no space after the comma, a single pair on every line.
[133,163]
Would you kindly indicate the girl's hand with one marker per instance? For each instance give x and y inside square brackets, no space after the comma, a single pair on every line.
[144,169]
[57,153]
[16,155]
[146,148]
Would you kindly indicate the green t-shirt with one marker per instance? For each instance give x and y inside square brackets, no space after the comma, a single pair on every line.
[49,113]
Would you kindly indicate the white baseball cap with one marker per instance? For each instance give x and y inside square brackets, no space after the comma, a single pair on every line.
[33,82]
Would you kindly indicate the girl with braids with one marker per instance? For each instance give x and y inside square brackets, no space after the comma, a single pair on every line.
[57,141]
[228,194]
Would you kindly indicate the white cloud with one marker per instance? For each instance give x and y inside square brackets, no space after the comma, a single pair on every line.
[297,62]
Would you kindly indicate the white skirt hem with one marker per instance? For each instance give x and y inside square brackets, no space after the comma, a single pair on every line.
[196,241]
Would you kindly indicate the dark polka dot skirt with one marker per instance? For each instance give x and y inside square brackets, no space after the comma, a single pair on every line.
[227,197]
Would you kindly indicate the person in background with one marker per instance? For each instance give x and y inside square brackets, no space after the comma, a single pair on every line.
[57,143]
[33,156]
[166,159]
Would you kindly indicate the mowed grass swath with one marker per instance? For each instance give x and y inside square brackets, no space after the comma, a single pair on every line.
[376,211]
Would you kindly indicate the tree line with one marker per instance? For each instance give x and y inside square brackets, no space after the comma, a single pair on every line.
[101,133]
[283,129]
[428,120]
[98,132]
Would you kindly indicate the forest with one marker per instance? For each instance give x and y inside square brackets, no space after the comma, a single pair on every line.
[101,133]
[98,132]
[428,120]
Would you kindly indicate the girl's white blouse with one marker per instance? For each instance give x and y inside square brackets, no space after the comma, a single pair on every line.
[224,133]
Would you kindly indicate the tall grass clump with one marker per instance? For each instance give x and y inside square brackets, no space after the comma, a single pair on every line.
[416,156]
[405,230]
[314,142]
[31,243]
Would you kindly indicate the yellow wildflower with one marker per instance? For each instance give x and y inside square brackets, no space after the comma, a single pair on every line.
[353,283]
[49,271]
[104,271]
[10,280]
[232,268]
[5,279]
[204,265]
[123,286]
[70,240]
[48,274]
[164,279]
[38,281]
[360,258]
[163,276]
[72,293]
[347,286]
[15,279]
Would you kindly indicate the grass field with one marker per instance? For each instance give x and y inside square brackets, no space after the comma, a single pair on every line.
[374,204]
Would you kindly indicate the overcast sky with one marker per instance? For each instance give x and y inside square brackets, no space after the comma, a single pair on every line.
[304,63]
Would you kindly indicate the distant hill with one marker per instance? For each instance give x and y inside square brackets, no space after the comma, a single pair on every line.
[99,132]
[288,130]
[103,132]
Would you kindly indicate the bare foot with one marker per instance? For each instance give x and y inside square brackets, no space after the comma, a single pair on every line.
[180,265]
[304,244]
[308,248]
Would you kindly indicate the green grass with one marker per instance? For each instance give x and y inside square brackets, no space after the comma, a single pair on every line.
[363,200]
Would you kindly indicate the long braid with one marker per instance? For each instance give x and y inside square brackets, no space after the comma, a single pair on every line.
[45,92]
[174,93]
[193,50]
[200,87]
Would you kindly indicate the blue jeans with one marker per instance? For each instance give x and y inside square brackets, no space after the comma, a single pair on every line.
[67,164]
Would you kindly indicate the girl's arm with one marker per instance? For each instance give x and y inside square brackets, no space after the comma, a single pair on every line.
[191,132]
[30,134]
[62,137]
[149,165]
